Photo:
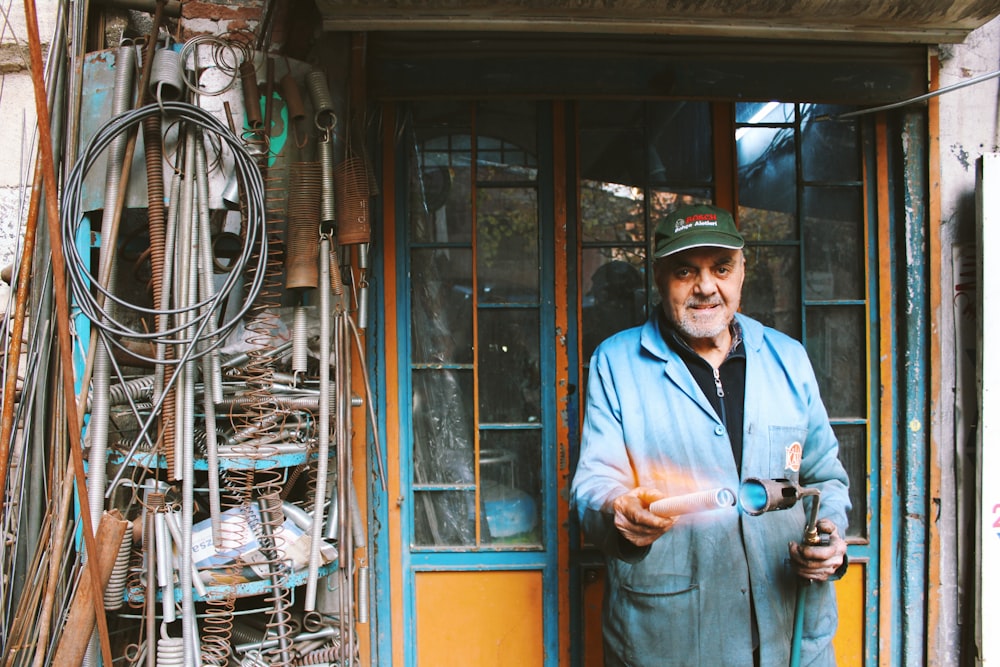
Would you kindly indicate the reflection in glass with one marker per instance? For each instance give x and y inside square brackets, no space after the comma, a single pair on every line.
[766,174]
[680,142]
[507,244]
[440,187]
[771,288]
[510,466]
[611,213]
[854,457]
[829,146]
[832,235]
[441,317]
[505,143]
[835,339]
[614,289]
[509,372]
[764,112]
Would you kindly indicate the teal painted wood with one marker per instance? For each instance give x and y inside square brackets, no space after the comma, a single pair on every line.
[914,384]
[876,311]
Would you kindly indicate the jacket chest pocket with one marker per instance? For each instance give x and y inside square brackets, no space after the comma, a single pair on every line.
[785,444]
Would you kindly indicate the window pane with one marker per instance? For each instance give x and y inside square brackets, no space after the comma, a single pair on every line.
[854,456]
[442,426]
[764,112]
[835,339]
[440,174]
[506,141]
[441,312]
[444,518]
[771,288]
[766,175]
[510,465]
[611,213]
[832,233]
[680,142]
[509,374]
[507,245]
[829,147]
[614,293]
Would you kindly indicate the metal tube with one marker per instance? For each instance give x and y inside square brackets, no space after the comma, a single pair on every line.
[324,421]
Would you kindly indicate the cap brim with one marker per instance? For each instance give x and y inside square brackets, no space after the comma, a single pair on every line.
[721,242]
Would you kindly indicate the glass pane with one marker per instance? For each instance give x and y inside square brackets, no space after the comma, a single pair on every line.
[444,518]
[771,289]
[506,141]
[832,234]
[614,293]
[613,148]
[510,468]
[441,313]
[854,456]
[441,176]
[835,338]
[680,142]
[441,204]
[614,213]
[829,147]
[507,245]
[509,374]
[764,112]
[442,426]
[766,175]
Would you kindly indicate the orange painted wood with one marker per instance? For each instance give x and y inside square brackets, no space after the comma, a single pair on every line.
[392,416]
[486,619]
[849,642]
[886,416]
[935,585]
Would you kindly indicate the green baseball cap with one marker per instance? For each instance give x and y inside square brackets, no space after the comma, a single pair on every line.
[693,226]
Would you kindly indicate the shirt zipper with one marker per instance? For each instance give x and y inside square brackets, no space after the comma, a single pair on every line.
[721,394]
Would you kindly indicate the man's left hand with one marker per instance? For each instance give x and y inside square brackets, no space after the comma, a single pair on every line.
[818,562]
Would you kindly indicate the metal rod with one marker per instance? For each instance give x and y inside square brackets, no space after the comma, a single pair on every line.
[61,291]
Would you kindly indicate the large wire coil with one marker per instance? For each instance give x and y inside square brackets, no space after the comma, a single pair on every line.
[88,295]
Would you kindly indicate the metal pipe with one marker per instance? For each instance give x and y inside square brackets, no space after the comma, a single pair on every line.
[324,421]
[699,501]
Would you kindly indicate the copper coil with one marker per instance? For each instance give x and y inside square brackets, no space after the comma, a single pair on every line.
[302,233]
[293,97]
[280,620]
[251,95]
[351,186]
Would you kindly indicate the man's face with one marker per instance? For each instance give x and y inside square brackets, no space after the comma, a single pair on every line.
[700,289]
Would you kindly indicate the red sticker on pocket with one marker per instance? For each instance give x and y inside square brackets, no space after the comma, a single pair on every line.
[793,457]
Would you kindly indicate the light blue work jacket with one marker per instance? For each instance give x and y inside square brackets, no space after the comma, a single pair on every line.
[686,600]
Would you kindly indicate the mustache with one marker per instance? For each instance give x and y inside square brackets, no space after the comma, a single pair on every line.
[709,301]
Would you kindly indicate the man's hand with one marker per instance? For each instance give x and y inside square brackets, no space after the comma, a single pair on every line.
[634,520]
[819,563]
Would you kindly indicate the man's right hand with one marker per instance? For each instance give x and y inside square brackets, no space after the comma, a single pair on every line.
[634,520]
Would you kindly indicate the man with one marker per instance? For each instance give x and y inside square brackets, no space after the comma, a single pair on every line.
[702,397]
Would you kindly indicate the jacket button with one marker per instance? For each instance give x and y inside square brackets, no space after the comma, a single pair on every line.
[720,430]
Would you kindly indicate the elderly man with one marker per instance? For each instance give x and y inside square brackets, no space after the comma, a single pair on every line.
[702,397]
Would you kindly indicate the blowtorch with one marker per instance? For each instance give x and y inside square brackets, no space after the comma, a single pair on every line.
[758,496]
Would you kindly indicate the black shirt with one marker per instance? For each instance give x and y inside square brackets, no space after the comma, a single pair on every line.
[731,381]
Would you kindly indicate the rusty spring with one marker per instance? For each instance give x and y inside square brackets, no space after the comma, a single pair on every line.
[302,236]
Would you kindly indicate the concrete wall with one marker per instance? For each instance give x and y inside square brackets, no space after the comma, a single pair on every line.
[17,118]
[969,129]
